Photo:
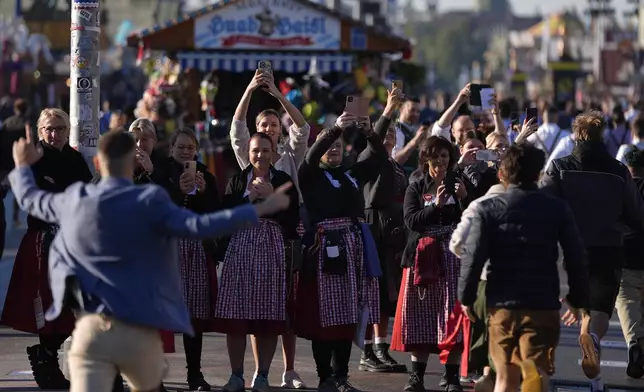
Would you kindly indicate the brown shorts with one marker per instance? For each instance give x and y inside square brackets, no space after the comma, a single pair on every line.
[517,335]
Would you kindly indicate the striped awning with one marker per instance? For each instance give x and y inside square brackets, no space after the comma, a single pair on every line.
[286,62]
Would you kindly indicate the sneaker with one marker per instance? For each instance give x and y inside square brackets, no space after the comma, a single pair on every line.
[370,363]
[597,385]
[343,385]
[381,351]
[260,384]
[235,384]
[590,355]
[635,368]
[292,380]
[484,384]
[415,383]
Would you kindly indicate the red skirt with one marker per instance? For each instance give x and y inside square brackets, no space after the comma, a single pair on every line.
[428,319]
[30,277]
[327,305]
[253,293]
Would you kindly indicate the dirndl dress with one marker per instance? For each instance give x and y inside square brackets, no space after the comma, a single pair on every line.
[252,297]
[29,288]
[198,283]
[328,306]
[427,318]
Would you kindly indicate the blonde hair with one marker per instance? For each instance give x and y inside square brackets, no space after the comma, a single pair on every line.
[495,136]
[49,113]
[144,125]
[589,126]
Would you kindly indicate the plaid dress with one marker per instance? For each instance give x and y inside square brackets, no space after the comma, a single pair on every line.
[339,297]
[253,279]
[422,314]
[195,279]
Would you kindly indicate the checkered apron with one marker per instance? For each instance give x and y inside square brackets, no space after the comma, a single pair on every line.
[340,297]
[426,311]
[253,279]
[195,279]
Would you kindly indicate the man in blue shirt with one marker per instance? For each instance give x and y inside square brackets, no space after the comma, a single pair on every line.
[115,262]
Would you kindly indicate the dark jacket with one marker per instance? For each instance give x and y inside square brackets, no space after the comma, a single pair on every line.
[143,177]
[288,219]
[419,217]
[55,171]
[600,191]
[518,232]
[478,180]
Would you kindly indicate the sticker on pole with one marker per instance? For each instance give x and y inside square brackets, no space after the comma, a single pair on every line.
[85,15]
[79,4]
[83,85]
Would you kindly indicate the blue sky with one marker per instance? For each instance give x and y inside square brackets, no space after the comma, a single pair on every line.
[528,6]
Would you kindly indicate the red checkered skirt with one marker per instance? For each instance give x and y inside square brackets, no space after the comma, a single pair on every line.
[331,311]
[423,314]
[29,280]
[252,298]
[199,283]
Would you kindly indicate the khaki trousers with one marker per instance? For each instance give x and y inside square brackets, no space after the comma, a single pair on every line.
[630,305]
[103,346]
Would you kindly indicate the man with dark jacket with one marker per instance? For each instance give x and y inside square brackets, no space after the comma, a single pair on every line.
[518,232]
[630,300]
[603,198]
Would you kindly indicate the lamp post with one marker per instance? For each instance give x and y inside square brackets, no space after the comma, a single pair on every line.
[598,10]
[85,77]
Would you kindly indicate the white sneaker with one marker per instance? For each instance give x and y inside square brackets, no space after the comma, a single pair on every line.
[260,384]
[235,384]
[292,380]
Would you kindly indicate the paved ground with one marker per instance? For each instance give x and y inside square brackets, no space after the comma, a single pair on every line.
[15,374]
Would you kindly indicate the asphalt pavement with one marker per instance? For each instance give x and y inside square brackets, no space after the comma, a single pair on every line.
[15,373]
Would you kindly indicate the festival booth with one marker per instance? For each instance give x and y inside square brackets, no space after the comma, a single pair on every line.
[298,37]
[232,36]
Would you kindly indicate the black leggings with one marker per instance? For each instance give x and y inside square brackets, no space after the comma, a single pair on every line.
[332,358]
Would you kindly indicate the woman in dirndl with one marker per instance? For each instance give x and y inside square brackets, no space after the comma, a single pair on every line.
[428,316]
[29,295]
[252,298]
[337,288]
[196,191]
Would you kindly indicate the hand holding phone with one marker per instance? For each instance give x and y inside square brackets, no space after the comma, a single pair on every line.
[190,167]
[531,113]
[487,156]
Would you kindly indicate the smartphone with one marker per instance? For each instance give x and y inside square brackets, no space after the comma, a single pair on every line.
[514,119]
[475,93]
[397,84]
[352,106]
[487,156]
[450,182]
[265,67]
[191,168]
[531,113]
[364,107]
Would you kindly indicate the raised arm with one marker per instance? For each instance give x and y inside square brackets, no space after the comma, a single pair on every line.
[442,127]
[371,159]
[180,222]
[314,154]
[300,130]
[239,134]
[43,205]
[499,125]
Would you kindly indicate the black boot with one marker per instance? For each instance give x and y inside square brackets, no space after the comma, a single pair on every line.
[382,353]
[118,384]
[192,347]
[45,367]
[452,379]
[416,383]
[369,362]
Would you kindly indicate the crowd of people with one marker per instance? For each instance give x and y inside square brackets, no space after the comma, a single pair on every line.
[454,228]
